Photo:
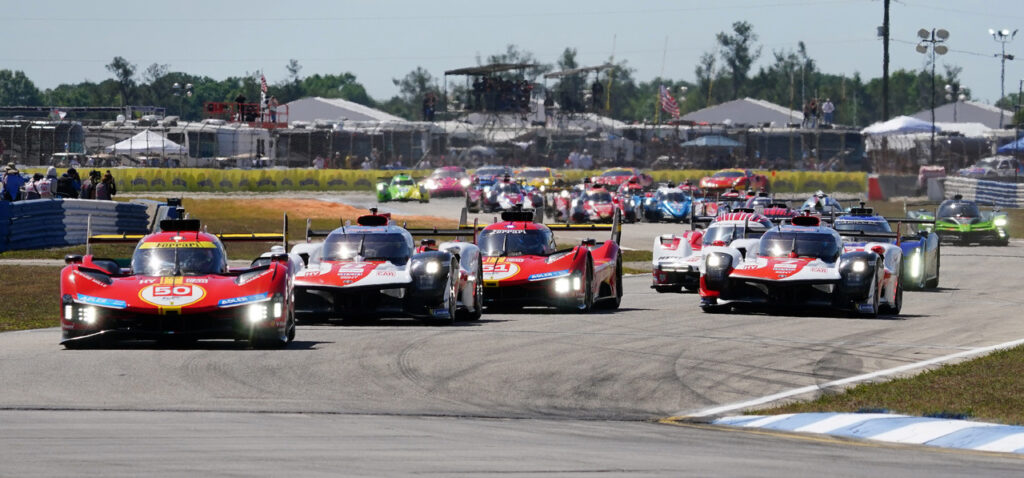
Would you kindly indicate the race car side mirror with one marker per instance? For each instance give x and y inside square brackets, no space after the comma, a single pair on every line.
[280,257]
[589,242]
[72,259]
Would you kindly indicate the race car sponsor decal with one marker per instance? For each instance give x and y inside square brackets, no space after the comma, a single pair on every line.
[496,269]
[178,245]
[548,275]
[241,300]
[509,230]
[101,301]
[773,268]
[89,278]
[171,294]
[196,280]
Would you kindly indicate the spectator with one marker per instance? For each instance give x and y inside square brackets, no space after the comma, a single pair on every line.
[51,178]
[106,190]
[586,161]
[13,182]
[76,180]
[826,109]
[272,105]
[429,103]
[807,116]
[66,186]
[366,163]
[318,162]
[89,185]
[814,112]
[32,187]
[596,92]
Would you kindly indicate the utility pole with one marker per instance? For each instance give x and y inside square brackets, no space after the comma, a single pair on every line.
[885,63]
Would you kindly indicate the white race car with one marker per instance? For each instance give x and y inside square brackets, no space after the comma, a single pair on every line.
[371,270]
[677,258]
[803,264]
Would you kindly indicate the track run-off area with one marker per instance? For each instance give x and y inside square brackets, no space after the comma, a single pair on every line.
[531,392]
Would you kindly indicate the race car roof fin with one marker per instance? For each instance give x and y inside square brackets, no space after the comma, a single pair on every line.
[180,225]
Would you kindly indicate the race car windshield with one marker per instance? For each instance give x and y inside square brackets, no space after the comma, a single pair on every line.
[533,174]
[448,173]
[403,182]
[821,204]
[755,202]
[604,197]
[864,226]
[964,209]
[516,242]
[509,188]
[676,196]
[800,244]
[371,247]
[728,233]
[169,261]
[616,172]
[728,174]
[490,171]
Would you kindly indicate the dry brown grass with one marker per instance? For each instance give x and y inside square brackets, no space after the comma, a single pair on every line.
[31,297]
[988,388]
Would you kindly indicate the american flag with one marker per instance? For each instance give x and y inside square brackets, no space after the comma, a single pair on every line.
[668,103]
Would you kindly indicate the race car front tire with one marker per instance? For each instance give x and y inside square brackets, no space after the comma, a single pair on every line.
[616,299]
[449,298]
[478,294]
[895,308]
[933,283]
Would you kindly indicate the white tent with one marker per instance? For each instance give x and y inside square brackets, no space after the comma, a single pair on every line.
[147,142]
[899,125]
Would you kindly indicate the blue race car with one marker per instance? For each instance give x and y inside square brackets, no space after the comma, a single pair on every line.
[920,251]
[668,204]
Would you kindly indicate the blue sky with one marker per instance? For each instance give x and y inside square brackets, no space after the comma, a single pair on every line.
[60,41]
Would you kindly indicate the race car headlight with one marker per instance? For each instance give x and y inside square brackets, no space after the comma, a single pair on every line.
[915,264]
[87,314]
[576,283]
[431,185]
[565,194]
[256,313]
[1000,222]
[562,285]
[432,267]
[542,187]
[465,182]
[547,181]
[69,312]
[714,260]
[859,266]
[380,187]
[278,309]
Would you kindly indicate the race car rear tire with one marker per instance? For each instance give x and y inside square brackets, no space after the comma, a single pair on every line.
[898,306]
[588,286]
[478,294]
[616,299]
[933,283]
[873,300]
[450,297]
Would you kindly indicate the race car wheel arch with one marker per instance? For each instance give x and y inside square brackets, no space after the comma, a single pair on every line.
[717,277]
[934,282]
[588,285]
[616,299]
[427,284]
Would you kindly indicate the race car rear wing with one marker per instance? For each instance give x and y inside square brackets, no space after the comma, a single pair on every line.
[186,225]
[615,227]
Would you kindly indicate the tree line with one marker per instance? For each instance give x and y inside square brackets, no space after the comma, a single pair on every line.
[790,79]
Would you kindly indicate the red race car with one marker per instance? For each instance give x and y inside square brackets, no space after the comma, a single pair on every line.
[613,178]
[523,267]
[448,181]
[178,288]
[734,179]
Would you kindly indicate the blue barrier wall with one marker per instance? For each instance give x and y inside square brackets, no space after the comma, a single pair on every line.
[43,223]
[992,193]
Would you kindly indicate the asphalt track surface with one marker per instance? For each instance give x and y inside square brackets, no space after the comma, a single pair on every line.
[533,392]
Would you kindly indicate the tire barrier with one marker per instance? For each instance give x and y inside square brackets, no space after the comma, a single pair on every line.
[45,223]
[990,193]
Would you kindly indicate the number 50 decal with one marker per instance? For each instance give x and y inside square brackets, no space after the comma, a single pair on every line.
[172,295]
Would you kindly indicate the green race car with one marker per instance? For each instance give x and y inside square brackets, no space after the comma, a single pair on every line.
[962,222]
[401,187]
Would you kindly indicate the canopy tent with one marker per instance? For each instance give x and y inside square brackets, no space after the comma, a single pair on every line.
[576,71]
[712,141]
[900,125]
[490,69]
[147,142]
[1012,147]
[745,111]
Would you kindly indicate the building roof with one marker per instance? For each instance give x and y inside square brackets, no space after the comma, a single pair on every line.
[967,112]
[316,108]
[747,111]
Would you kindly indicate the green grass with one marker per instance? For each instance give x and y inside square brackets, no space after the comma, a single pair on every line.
[988,388]
[31,297]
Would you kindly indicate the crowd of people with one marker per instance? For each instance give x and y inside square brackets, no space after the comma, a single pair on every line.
[69,185]
[498,94]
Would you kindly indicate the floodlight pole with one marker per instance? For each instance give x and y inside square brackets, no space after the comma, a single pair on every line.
[935,37]
[1002,36]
